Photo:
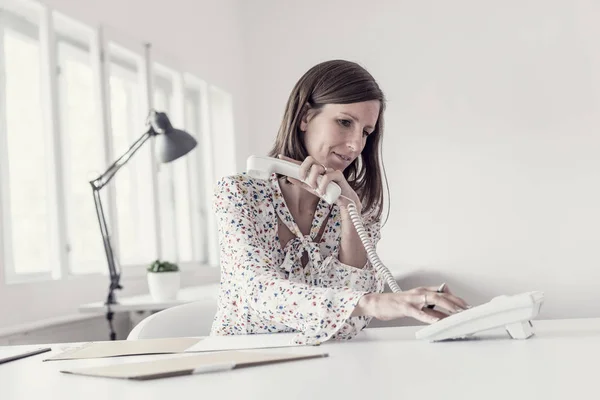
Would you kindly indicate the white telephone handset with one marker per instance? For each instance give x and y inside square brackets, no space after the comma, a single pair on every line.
[263,167]
[511,312]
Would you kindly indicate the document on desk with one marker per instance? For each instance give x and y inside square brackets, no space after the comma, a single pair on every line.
[119,348]
[244,342]
[126,348]
[188,365]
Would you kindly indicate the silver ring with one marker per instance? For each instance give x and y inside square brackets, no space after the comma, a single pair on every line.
[425,300]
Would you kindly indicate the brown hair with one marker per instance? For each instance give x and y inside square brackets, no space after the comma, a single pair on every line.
[337,82]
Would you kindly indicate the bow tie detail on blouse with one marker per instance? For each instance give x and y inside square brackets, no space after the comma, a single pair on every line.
[297,247]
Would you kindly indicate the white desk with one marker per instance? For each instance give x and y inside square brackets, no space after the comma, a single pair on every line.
[381,363]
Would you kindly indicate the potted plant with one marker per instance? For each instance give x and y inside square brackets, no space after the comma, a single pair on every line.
[163,280]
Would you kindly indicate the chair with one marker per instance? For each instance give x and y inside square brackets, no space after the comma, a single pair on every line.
[186,320]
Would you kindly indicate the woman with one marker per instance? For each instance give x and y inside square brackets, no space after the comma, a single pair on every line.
[290,262]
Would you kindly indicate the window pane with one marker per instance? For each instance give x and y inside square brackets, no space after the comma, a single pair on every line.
[196,168]
[182,208]
[133,183]
[29,156]
[83,154]
[162,102]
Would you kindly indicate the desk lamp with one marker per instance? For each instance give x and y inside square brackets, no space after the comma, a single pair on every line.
[171,144]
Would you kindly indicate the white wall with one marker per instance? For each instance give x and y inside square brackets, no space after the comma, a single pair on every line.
[199,36]
[492,143]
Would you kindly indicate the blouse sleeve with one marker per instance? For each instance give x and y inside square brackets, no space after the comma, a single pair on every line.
[366,279]
[317,312]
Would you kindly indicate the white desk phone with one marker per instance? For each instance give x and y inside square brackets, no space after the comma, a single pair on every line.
[514,313]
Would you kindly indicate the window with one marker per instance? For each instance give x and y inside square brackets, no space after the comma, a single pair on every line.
[27,175]
[83,150]
[175,178]
[134,224]
[164,102]
[201,171]
[71,103]
[193,125]
[183,208]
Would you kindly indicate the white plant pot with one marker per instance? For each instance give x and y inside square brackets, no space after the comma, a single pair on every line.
[164,285]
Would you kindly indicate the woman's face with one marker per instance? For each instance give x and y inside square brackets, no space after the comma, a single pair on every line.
[336,134]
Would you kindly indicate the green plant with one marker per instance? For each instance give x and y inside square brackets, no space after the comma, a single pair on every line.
[163,266]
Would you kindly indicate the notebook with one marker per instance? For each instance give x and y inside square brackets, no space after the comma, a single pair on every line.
[188,365]
[126,348]
[176,345]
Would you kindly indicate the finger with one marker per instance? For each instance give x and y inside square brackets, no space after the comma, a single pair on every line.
[434,313]
[305,167]
[441,300]
[314,172]
[323,184]
[446,290]
[458,301]
[436,288]
[427,301]
[455,299]
[421,315]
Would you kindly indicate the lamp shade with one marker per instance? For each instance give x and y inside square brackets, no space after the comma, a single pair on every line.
[171,143]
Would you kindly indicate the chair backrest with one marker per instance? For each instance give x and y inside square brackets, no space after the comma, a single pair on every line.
[186,320]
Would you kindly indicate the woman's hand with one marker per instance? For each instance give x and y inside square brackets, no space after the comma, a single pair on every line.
[311,169]
[412,303]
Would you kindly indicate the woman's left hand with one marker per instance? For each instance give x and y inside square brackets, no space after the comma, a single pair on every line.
[311,169]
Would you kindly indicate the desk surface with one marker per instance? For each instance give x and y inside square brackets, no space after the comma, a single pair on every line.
[380,363]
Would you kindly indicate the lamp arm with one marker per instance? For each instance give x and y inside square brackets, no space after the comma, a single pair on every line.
[106,177]
[97,185]
[115,276]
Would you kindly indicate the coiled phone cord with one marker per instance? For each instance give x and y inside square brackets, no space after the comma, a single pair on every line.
[371,254]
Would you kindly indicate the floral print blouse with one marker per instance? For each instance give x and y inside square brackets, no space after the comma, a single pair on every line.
[264,287]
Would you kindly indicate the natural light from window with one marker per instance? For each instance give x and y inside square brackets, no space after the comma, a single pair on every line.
[29,156]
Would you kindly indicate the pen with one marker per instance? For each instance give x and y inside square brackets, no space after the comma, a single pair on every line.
[439,290]
[24,355]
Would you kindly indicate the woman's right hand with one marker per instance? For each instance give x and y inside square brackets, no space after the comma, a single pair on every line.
[412,303]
